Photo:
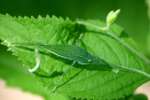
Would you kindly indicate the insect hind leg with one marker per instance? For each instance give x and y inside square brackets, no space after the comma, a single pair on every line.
[66,81]
[63,77]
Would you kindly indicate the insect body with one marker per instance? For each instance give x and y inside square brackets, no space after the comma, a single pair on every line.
[75,54]
[72,53]
[69,52]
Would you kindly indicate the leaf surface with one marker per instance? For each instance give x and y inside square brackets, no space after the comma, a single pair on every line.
[79,83]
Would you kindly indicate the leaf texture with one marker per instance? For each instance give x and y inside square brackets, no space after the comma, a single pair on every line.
[79,83]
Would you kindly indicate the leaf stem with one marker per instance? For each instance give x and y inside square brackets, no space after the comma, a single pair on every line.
[135,70]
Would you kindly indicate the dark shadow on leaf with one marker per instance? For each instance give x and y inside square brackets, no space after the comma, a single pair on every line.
[124,35]
[54,74]
[135,97]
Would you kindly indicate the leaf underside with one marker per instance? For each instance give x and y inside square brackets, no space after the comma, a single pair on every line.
[88,84]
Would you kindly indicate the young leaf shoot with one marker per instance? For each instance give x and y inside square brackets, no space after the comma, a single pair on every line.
[111,18]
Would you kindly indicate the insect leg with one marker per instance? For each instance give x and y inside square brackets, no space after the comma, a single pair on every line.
[64,74]
[116,70]
[68,69]
[73,63]
[65,82]
[37,60]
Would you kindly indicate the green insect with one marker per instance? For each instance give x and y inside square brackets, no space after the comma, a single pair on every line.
[75,54]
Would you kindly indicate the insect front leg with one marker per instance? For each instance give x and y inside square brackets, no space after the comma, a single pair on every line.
[73,63]
[37,60]
[69,68]
[115,70]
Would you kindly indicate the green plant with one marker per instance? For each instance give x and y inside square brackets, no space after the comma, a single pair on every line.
[112,44]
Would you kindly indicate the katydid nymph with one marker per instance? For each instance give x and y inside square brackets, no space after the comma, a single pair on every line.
[75,54]
[78,55]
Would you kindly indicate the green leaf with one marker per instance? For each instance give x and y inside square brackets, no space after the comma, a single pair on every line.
[107,85]
[15,75]
[77,83]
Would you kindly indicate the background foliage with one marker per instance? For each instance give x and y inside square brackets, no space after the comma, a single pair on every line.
[133,15]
